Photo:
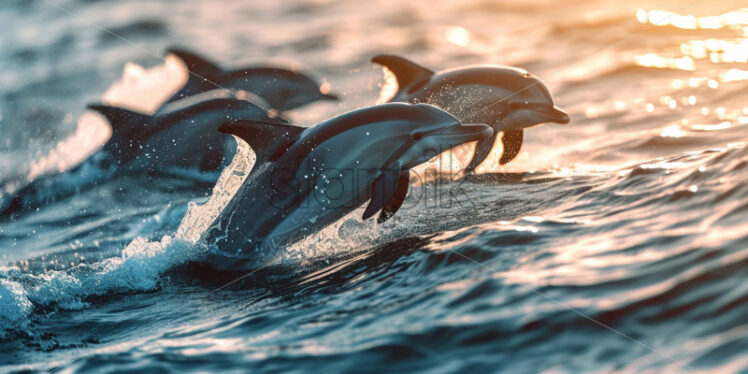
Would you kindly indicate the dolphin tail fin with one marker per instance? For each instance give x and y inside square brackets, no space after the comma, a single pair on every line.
[267,139]
[410,76]
[512,141]
[199,72]
[128,128]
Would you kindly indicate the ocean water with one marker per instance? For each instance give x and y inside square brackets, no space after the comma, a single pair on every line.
[616,243]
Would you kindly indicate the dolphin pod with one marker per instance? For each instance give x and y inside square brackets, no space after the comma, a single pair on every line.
[508,99]
[307,178]
[182,132]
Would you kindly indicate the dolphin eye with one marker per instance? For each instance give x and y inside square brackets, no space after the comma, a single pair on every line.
[416,136]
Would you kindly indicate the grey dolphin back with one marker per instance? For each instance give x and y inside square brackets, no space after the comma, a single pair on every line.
[130,129]
[282,88]
[410,76]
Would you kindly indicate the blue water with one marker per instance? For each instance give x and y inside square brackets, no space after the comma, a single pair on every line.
[616,243]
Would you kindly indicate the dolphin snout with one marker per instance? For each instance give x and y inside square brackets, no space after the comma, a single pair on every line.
[547,111]
[555,114]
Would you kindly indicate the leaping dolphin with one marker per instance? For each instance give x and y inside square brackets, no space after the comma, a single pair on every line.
[508,99]
[180,135]
[306,178]
[282,89]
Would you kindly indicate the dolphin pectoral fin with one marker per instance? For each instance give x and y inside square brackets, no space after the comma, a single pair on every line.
[199,72]
[265,138]
[382,189]
[410,76]
[482,150]
[512,142]
[393,204]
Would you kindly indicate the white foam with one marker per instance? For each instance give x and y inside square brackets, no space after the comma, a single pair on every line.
[139,89]
[138,268]
[200,217]
[144,89]
[420,213]
[141,265]
[14,306]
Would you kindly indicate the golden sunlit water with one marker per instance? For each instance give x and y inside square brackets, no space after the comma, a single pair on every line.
[615,243]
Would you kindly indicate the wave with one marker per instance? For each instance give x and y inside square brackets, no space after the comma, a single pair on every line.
[137,269]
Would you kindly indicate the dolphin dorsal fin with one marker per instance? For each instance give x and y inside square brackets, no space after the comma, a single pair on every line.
[410,76]
[202,74]
[123,121]
[128,128]
[266,138]
[197,65]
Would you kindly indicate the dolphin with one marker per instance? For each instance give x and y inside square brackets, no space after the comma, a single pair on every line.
[181,135]
[508,99]
[282,89]
[307,178]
